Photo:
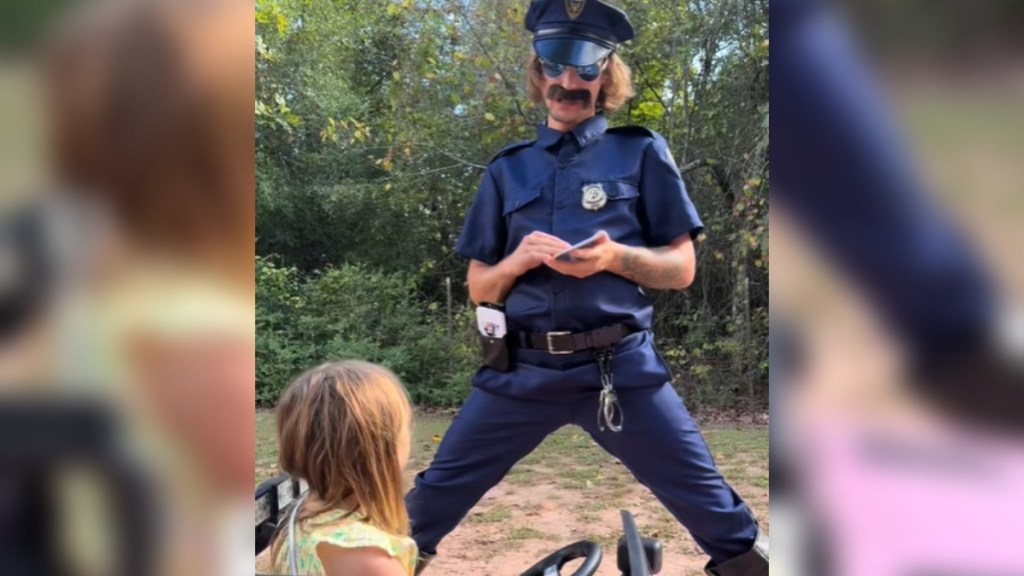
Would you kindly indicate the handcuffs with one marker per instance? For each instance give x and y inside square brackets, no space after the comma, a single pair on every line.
[609,411]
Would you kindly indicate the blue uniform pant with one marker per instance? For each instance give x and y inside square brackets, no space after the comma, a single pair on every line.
[841,169]
[659,444]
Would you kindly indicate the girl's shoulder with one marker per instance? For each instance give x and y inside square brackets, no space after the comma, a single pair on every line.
[345,530]
[346,527]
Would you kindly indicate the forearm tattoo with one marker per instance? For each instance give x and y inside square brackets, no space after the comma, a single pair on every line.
[651,268]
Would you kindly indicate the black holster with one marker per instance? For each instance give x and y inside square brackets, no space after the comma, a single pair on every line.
[495,352]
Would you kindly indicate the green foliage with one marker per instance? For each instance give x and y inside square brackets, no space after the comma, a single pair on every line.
[374,121]
[355,312]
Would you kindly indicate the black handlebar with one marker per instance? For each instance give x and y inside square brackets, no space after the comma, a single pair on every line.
[582,549]
[637,557]
[39,441]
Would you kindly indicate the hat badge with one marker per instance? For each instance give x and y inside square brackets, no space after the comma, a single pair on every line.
[594,197]
[574,8]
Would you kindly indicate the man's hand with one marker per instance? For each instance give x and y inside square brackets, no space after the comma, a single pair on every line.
[588,261]
[492,283]
[535,249]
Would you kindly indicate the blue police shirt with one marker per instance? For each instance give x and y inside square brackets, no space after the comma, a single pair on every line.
[539,186]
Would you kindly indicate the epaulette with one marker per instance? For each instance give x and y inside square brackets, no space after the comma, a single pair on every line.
[633,131]
[510,149]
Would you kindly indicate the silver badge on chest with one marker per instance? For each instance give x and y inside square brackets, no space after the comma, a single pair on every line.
[594,197]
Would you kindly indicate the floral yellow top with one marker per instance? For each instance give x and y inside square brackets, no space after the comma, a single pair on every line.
[334,528]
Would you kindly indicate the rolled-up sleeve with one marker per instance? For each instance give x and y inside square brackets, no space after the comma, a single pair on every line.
[666,209]
[483,235]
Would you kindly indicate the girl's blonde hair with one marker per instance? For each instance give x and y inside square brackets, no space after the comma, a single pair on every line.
[617,90]
[339,426]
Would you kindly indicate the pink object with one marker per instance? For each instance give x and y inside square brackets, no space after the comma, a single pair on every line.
[897,502]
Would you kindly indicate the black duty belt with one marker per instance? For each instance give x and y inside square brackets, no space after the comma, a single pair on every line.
[570,342]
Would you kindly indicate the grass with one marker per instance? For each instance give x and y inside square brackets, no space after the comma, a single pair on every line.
[494,515]
[521,533]
[568,457]
[570,461]
[266,446]
[522,475]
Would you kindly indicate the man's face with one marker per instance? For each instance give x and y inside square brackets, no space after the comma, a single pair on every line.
[571,99]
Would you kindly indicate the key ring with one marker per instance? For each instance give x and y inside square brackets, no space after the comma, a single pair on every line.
[608,402]
[607,411]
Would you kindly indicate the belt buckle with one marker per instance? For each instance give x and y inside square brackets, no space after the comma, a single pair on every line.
[551,347]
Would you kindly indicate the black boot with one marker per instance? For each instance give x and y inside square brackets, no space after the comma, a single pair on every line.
[422,561]
[753,562]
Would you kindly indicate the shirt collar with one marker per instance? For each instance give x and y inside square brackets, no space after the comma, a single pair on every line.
[592,128]
[584,133]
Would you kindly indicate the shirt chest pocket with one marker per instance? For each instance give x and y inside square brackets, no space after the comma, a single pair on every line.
[610,205]
[619,190]
[609,199]
[525,211]
[522,200]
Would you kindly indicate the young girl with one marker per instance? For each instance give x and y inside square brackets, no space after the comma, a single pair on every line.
[345,428]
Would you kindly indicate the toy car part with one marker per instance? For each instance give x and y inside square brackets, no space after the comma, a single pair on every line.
[273,500]
[552,565]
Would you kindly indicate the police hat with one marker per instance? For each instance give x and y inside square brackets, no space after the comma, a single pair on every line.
[576,32]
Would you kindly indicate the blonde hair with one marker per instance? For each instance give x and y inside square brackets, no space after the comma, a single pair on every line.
[339,426]
[617,90]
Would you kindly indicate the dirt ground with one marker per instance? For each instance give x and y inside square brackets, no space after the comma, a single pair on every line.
[568,490]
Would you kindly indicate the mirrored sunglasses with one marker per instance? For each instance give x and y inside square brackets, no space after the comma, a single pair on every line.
[586,73]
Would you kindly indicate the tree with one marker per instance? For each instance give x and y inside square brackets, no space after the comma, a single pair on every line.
[375,122]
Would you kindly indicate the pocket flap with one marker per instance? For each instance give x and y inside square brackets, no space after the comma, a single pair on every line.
[519,198]
[617,189]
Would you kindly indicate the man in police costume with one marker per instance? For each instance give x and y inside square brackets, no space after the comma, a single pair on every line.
[579,343]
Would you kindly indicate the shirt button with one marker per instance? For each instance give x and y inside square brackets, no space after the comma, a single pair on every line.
[556,290]
[560,204]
